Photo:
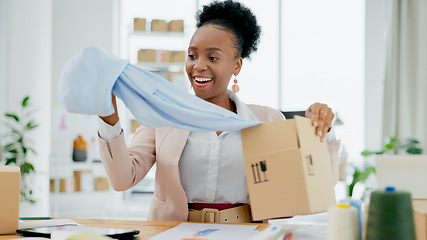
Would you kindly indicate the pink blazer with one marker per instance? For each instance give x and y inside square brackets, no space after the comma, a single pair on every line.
[125,166]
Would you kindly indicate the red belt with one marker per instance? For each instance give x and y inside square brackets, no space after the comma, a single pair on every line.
[218,206]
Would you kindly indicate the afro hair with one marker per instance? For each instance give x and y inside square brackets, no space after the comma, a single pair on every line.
[235,17]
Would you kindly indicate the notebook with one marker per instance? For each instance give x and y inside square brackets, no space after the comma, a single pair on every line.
[109,232]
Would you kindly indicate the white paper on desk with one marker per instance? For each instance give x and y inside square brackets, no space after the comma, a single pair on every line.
[208,231]
[45,223]
[306,227]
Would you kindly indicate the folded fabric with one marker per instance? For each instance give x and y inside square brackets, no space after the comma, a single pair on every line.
[89,77]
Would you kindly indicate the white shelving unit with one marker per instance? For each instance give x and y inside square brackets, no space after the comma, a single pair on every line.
[108,204]
[112,204]
[76,203]
[172,41]
[161,66]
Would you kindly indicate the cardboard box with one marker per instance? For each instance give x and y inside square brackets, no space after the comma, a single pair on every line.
[10,178]
[52,185]
[288,169]
[139,24]
[159,25]
[146,55]
[83,181]
[420,217]
[176,26]
[66,185]
[179,56]
[101,183]
[163,56]
[62,185]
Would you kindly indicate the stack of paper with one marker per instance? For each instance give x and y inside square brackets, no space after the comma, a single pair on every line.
[208,232]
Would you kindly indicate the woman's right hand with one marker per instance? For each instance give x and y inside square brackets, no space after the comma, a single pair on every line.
[113,118]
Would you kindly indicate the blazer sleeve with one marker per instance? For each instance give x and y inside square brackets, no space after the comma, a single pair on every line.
[125,167]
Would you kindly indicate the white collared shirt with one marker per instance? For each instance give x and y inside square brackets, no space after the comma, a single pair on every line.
[212,167]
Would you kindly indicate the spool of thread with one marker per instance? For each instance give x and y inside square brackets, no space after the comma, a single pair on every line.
[390,216]
[342,223]
[358,205]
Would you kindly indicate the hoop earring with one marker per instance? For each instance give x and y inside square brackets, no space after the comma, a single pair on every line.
[235,88]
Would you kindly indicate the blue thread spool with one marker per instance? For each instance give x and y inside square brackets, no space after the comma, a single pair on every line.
[390,216]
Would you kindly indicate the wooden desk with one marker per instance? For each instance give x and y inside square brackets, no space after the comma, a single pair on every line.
[147,228]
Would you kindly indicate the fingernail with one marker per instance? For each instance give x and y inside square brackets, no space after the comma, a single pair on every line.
[315,123]
[319,133]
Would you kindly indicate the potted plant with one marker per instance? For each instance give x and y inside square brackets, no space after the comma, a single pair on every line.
[390,145]
[18,147]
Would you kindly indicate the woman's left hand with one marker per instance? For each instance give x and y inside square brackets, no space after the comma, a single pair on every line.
[321,117]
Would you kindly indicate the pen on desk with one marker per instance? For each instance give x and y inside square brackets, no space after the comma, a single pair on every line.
[35,218]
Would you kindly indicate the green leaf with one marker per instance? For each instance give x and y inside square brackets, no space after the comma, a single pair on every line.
[25,101]
[31,125]
[366,173]
[414,150]
[10,160]
[360,175]
[389,146]
[8,146]
[366,153]
[410,141]
[11,115]
[13,150]
[32,150]
[411,146]
[380,152]
[389,143]
[27,167]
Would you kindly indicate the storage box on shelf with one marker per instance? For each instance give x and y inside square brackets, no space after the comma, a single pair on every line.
[76,177]
[74,189]
[161,56]
[176,26]
[159,25]
[158,33]
[139,24]
[147,55]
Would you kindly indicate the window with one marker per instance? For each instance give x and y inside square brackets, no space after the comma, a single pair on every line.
[322,55]
[323,61]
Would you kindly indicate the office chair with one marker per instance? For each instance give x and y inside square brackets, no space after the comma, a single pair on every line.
[291,114]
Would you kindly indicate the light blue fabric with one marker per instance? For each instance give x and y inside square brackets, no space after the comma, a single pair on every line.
[89,77]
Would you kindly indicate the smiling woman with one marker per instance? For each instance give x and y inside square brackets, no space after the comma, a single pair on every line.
[210,64]
[227,32]
[195,169]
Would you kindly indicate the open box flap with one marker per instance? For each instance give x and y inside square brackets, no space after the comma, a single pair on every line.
[317,165]
[257,140]
[9,169]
